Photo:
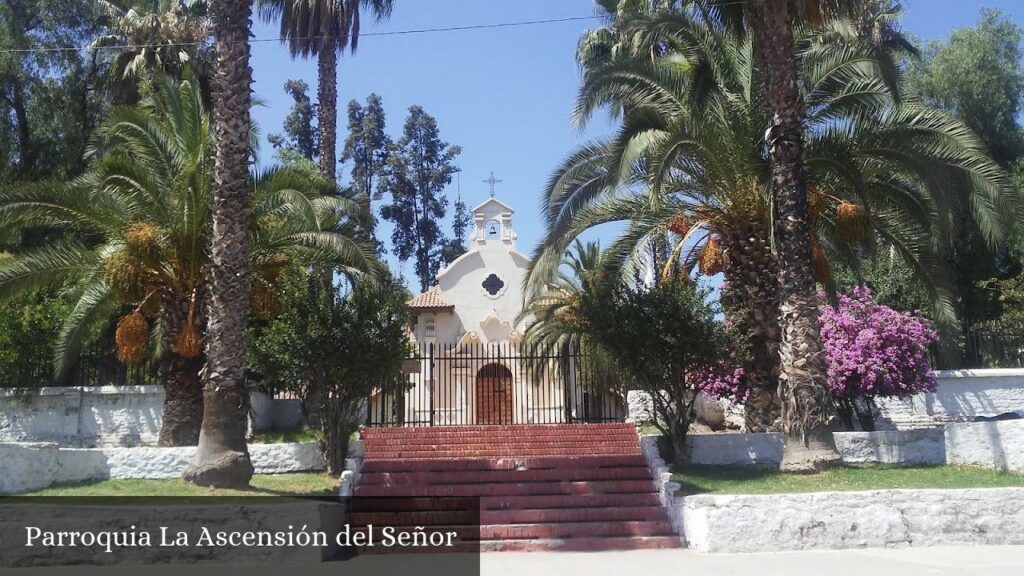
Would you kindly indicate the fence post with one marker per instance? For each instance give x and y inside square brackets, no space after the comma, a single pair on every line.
[431,382]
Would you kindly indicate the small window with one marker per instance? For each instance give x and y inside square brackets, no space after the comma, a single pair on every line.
[428,328]
[493,284]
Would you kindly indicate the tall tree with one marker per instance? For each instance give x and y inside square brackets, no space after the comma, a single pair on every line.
[299,139]
[807,410]
[367,145]
[223,457]
[50,98]
[323,28]
[977,76]
[151,38]
[461,221]
[419,168]
[149,257]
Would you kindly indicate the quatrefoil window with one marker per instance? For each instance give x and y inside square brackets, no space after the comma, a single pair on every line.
[493,284]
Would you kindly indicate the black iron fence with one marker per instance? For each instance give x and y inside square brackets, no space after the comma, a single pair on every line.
[494,384]
[981,349]
[97,365]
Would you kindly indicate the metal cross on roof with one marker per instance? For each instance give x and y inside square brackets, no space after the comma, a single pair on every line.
[492,181]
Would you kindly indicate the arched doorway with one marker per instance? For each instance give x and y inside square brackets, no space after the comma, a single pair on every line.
[494,395]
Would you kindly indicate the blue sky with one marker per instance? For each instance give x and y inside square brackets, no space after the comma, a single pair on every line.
[505,95]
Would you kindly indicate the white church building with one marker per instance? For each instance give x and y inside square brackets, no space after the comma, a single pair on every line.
[470,366]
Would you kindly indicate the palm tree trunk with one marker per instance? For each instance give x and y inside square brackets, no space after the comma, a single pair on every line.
[807,410]
[327,97]
[223,457]
[183,399]
[751,304]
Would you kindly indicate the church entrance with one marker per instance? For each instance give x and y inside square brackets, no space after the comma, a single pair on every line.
[494,395]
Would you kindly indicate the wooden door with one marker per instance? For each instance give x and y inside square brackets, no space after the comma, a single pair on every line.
[494,395]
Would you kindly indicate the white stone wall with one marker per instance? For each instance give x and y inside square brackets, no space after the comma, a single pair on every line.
[995,445]
[998,445]
[31,466]
[961,395]
[833,520]
[110,415]
[761,449]
[926,446]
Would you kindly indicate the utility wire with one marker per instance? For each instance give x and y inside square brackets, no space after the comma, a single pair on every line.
[261,40]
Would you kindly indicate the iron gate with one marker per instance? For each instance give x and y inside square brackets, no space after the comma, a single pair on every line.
[494,384]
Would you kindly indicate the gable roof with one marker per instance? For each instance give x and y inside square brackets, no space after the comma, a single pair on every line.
[492,200]
[431,300]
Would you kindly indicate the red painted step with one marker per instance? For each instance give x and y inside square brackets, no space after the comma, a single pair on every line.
[507,463]
[546,487]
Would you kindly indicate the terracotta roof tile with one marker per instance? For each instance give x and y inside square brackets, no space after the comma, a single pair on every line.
[430,300]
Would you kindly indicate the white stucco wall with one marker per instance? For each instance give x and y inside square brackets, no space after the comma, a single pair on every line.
[31,466]
[961,395]
[89,416]
[835,520]
[761,449]
[998,445]
[924,447]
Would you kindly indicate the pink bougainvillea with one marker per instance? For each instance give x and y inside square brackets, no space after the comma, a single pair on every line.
[875,351]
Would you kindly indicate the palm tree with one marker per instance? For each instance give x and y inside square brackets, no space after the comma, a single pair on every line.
[690,158]
[223,457]
[323,28]
[554,327]
[136,239]
[161,37]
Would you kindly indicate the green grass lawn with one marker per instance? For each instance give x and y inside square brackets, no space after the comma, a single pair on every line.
[722,480]
[301,484]
[275,437]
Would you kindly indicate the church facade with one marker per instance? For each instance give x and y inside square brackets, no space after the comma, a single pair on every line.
[470,365]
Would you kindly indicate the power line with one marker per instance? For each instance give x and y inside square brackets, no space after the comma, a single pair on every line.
[279,39]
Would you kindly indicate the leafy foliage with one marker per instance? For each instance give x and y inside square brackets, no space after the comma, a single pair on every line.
[367,146]
[29,324]
[333,347]
[419,168]
[663,337]
[50,100]
[299,137]
[138,223]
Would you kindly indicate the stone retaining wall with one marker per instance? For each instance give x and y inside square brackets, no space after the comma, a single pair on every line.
[87,416]
[961,395]
[834,520]
[996,445]
[33,466]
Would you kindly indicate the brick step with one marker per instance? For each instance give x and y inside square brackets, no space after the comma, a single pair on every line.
[575,530]
[588,544]
[491,517]
[534,502]
[558,501]
[506,463]
[578,544]
[503,452]
[492,476]
[514,448]
[471,533]
[510,489]
[496,428]
[464,441]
